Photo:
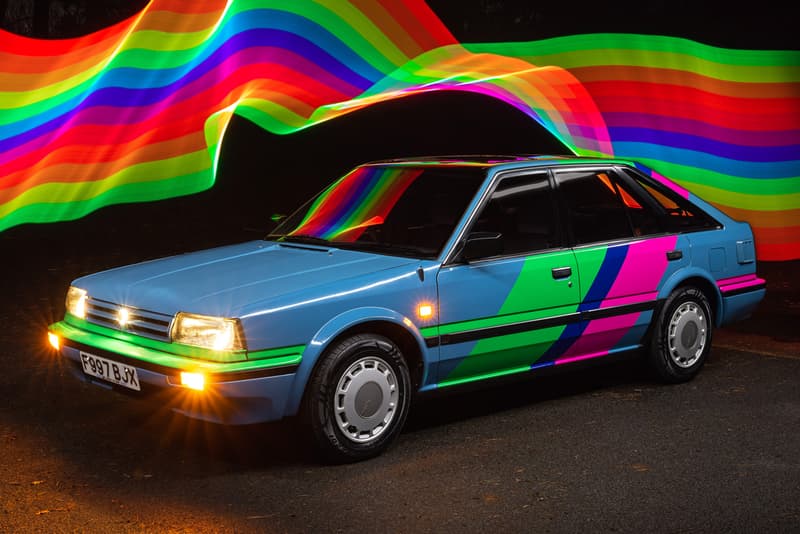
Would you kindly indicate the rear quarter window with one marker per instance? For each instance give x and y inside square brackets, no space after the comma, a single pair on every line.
[678,214]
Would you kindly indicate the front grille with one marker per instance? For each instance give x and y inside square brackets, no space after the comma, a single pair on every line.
[141,322]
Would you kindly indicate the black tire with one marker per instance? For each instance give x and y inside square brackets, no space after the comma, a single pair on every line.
[681,337]
[357,399]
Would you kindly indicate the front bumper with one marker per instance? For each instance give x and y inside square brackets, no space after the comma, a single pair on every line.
[244,391]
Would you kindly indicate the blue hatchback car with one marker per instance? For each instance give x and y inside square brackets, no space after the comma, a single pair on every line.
[414,275]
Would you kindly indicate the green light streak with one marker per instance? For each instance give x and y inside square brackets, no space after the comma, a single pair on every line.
[172,354]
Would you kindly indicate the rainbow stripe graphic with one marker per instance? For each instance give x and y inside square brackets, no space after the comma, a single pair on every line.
[617,275]
[137,112]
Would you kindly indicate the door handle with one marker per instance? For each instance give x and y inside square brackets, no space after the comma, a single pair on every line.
[561,272]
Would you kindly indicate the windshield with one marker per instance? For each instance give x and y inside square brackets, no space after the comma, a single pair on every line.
[407,211]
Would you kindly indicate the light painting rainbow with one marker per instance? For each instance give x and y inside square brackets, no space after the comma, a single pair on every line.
[137,112]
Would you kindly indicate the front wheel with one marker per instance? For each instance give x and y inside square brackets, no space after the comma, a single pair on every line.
[358,398]
[682,335]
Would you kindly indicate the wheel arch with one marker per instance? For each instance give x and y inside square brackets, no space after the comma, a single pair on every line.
[701,281]
[678,343]
[379,321]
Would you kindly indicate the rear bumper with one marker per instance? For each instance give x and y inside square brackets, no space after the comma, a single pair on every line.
[740,297]
[234,393]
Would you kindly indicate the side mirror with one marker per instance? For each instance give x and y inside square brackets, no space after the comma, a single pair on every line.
[482,245]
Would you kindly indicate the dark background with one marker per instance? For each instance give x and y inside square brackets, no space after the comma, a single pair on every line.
[748,25]
[261,174]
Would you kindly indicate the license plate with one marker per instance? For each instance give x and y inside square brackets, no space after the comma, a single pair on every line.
[110,371]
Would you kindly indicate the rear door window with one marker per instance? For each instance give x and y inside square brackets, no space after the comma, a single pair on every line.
[594,207]
[601,207]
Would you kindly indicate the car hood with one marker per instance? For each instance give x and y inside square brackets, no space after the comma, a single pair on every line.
[223,280]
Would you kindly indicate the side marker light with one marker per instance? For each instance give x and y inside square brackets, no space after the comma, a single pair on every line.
[425,311]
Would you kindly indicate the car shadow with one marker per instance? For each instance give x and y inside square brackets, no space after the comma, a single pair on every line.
[508,394]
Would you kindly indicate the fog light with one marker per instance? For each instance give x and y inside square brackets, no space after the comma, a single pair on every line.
[193,380]
[54,340]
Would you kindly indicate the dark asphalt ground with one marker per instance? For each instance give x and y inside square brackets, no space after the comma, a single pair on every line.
[603,449]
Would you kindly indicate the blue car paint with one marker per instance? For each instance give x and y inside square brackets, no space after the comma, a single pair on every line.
[287,295]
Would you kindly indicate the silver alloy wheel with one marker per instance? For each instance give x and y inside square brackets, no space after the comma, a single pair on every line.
[686,338]
[366,399]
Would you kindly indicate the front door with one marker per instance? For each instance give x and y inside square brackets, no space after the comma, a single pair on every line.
[499,315]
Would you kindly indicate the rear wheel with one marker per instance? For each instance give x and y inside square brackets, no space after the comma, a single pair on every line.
[357,399]
[682,335]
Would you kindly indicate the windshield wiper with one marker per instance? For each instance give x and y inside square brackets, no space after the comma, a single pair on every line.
[380,248]
[305,239]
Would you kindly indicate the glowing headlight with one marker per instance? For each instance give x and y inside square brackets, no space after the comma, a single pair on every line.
[76,302]
[217,333]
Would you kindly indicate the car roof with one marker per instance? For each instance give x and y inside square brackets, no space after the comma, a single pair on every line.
[490,160]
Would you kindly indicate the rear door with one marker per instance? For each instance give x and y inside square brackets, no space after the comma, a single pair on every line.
[623,254]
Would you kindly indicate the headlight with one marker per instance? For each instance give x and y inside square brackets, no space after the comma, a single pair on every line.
[217,333]
[76,302]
